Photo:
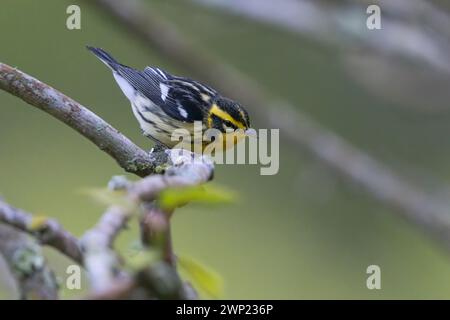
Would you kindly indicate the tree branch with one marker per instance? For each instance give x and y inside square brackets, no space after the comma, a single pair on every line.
[156,231]
[101,261]
[48,231]
[38,94]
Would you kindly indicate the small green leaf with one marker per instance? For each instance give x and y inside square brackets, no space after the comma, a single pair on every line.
[202,277]
[175,197]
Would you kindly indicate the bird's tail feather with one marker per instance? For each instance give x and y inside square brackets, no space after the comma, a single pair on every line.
[105,57]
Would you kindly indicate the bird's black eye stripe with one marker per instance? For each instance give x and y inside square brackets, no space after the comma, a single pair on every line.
[229,124]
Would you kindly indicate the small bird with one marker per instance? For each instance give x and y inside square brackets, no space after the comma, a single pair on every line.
[162,102]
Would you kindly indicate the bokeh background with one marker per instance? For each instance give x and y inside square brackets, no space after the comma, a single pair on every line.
[304,233]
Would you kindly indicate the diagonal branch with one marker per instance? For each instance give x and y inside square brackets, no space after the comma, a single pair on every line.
[40,95]
[48,231]
[424,24]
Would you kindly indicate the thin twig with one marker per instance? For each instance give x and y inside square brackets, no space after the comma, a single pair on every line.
[100,260]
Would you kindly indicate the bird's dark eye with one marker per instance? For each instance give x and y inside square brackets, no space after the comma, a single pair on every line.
[228,125]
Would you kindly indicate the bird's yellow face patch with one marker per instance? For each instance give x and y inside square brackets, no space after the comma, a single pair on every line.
[222,114]
[224,142]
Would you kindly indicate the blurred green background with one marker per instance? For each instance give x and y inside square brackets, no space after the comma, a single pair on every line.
[301,234]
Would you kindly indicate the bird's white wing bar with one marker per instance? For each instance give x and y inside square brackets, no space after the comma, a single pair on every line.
[164,91]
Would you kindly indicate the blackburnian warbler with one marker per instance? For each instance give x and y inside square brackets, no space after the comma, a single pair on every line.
[162,102]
